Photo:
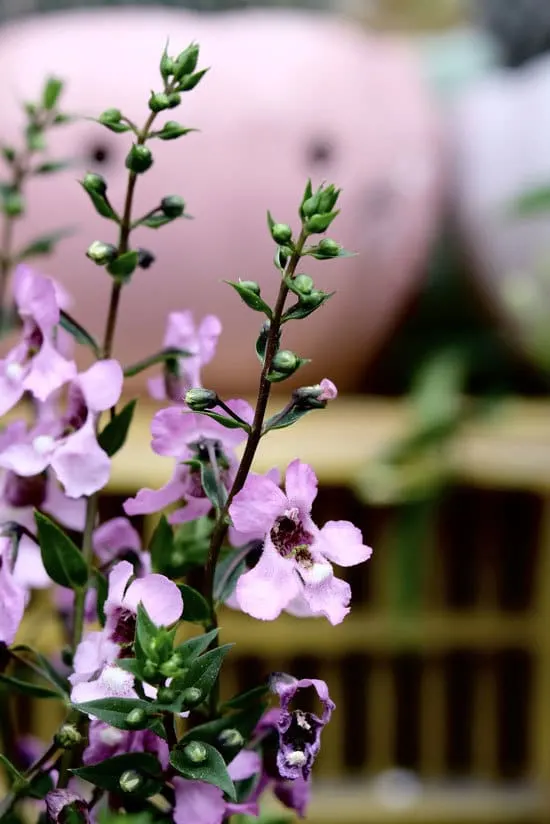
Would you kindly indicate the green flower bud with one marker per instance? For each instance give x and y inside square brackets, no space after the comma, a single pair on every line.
[329,247]
[172,206]
[285,362]
[159,101]
[149,671]
[130,781]
[328,199]
[303,284]
[186,62]
[95,183]
[320,223]
[136,718]
[200,399]
[13,205]
[281,233]
[166,696]
[139,159]
[172,667]
[101,253]
[172,130]
[231,738]
[174,99]
[315,298]
[110,116]
[67,737]
[167,66]
[251,286]
[192,696]
[310,206]
[196,752]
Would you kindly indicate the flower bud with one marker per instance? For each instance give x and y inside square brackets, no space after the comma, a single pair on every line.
[172,129]
[174,99]
[310,206]
[110,117]
[172,206]
[192,696]
[285,362]
[281,233]
[67,737]
[186,62]
[166,696]
[159,101]
[303,284]
[320,223]
[95,183]
[13,205]
[145,258]
[328,199]
[329,247]
[315,298]
[149,671]
[231,738]
[201,399]
[167,66]
[139,159]
[136,718]
[130,781]
[196,752]
[250,286]
[101,253]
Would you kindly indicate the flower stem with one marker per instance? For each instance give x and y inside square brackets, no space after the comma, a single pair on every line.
[7,803]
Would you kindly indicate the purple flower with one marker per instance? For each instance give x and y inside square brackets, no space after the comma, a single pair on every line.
[95,653]
[201,341]
[117,539]
[201,803]
[13,597]
[34,365]
[329,391]
[69,443]
[184,435]
[299,732]
[294,571]
[106,742]
[57,800]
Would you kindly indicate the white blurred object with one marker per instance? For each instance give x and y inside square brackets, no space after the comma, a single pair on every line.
[398,789]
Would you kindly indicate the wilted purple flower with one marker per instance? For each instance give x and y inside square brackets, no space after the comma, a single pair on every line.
[299,732]
[68,443]
[201,342]
[329,391]
[184,435]
[57,800]
[294,572]
[106,742]
[34,365]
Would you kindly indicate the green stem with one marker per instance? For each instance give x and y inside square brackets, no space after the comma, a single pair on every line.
[7,803]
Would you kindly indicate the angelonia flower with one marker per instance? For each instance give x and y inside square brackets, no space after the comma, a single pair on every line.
[13,597]
[106,742]
[294,571]
[58,800]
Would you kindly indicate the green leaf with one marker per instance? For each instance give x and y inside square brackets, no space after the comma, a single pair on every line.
[534,202]
[62,559]
[43,245]
[250,297]
[195,607]
[171,131]
[191,80]
[245,699]
[229,423]
[281,421]
[39,786]
[146,631]
[304,308]
[204,671]
[124,265]
[114,711]
[245,722]
[107,774]
[12,771]
[131,665]
[81,335]
[212,485]
[191,649]
[28,688]
[51,93]
[101,204]
[228,571]
[161,545]
[159,357]
[46,669]
[212,770]
[52,166]
[113,437]
[102,588]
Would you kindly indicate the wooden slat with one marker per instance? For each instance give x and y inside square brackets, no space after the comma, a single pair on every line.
[540,714]
[485,736]
[382,710]
[330,762]
[433,725]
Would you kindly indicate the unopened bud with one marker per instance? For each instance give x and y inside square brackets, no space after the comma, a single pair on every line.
[192,696]
[303,284]
[310,206]
[200,399]
[172,667]
[149,670]
[315,298]
[172,129]
[186,62]
[174,99]
[159,101]
[251,286]
[110,116]
[95,183]
[101,253]
[285,362]
[67,737]
[136,718]
[172,206]
[319,223]
[281,233]
[166,696]
[13,205]
[167,66]
[139,159]
[329,247]
[231,738]
[130,781]
[145,258]
[196,752]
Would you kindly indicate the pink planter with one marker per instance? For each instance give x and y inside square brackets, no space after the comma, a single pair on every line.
[290,95]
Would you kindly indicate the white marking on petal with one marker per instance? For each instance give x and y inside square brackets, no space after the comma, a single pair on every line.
[111,736]
[296,758]
[43,444]
[116,680]
[14,371]
[319,573]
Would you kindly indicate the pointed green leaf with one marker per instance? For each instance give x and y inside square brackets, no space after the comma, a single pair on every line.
[246,699]
[161,545]
[52,166]
[213,486]
[102,588]
[195,607]
[228,571]
[62,559]
[101,204]
[81,335]
[107,773]
[304,308]
[229,423]
[12,771]
[113,437]
[51,93]
[146,631]
[114,711]
[212,770]
[251,299]
[204,671]
[159,357]
[43,245]
[46,669]
[29,688]
[191,649]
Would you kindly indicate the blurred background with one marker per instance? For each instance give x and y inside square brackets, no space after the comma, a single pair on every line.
[439,446]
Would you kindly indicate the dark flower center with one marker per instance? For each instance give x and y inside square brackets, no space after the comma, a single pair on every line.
[77,411]
[29,491]
[291,539]
[124,626]
[33,338]
[302,732]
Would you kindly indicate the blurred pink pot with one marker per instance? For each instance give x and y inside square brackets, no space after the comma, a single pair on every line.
[499,136]
[290,95]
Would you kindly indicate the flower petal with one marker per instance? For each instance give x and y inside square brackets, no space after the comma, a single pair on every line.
[81,464]
[112,683]
[194,509]
[68,511]
[197,803]
[266,590]
[246,764]
[331,598]
[101,384]
[12,597]
[160,597]
[29,570]
[49,371]
[24,459]
[342,543]
[35,296]
[172,429]
[258,504]
[301,485]
[118,582]
[115,536]
[11,389]
[148,501]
